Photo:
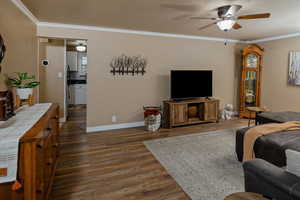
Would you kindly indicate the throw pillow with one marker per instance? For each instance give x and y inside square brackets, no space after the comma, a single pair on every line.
[293,162]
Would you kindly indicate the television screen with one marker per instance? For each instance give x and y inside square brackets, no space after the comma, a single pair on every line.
[191,84]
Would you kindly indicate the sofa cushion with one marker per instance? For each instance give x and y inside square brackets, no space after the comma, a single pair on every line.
[270,147]
[293,161]
[280,116]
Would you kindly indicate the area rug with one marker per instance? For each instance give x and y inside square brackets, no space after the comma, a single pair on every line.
[203,164]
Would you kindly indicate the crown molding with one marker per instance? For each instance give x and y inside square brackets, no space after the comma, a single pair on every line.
[29,14]
[136,32]
[115,30]
[25,10]
[274,38]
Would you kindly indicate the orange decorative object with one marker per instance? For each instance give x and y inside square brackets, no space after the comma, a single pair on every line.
[16,186]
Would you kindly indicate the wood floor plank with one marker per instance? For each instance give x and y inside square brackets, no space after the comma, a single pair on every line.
[116,165]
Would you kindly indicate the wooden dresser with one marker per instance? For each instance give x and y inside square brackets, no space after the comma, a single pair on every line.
[37,159]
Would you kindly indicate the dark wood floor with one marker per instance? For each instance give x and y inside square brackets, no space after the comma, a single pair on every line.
[115,165]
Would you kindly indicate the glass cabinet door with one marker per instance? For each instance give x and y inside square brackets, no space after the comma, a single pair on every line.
[250,88]
[252,60]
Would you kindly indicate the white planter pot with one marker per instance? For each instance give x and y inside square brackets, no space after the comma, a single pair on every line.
[24,92]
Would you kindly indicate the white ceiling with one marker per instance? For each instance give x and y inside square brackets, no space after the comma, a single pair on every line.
[171,16]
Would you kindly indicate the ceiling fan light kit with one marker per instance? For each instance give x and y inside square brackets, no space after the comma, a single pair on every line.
[227,18]
[81,48]
[226,25]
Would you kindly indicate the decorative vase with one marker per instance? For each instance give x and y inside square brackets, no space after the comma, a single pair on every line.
[24,93]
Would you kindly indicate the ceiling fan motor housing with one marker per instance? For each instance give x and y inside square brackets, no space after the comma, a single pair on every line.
[229,11]
[227,18]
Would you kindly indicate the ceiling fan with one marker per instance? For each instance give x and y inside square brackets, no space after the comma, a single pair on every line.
[227,18]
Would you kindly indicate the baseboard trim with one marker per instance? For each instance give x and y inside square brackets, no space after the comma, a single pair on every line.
[114,126]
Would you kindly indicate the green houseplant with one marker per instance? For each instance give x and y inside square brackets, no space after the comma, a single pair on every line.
[24,84]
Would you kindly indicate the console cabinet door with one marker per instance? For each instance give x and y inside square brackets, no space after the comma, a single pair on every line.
[180,114]
[211,110]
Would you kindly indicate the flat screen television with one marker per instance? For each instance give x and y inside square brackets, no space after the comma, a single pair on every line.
[187,84]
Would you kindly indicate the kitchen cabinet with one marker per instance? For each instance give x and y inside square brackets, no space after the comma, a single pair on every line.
[72,60]
[82,63]
[77,94]
[77,61]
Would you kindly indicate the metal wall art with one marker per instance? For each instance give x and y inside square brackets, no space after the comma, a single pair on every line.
[128,65]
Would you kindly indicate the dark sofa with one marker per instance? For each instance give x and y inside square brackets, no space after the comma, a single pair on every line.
[272,147]
[277,117]
[260,175]
[271,181]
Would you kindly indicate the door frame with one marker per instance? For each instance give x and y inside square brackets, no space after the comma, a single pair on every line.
[65,83]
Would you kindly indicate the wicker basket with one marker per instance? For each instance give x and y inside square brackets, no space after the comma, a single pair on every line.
[152,117]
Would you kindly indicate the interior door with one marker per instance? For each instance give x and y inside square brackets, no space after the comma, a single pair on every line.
[180,114]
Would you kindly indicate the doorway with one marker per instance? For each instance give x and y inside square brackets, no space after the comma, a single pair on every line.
[63,77]
[76,81]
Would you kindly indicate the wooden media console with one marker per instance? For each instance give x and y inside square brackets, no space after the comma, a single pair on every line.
[193,111]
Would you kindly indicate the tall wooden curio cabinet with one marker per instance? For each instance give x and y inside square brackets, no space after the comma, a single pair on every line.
[251,78]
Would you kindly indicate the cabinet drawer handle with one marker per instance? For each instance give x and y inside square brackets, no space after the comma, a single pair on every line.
[40,146]
[56,117]
[49,129]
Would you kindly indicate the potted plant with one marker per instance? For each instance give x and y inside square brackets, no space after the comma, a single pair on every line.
[24,84]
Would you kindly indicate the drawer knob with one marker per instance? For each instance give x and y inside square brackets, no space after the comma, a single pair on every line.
[49,129]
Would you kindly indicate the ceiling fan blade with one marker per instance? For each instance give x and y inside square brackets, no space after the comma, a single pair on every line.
[255,16]
[207,26]
[236,26]
[208,18]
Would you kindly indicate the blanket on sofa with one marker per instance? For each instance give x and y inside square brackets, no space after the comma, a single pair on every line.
[258,131]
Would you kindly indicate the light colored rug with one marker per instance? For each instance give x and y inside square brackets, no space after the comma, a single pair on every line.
[203,164]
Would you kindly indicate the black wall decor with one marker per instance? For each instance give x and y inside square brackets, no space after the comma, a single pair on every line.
[128,65]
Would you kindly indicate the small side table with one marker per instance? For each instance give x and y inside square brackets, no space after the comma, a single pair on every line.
[245,196]
[255,110]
